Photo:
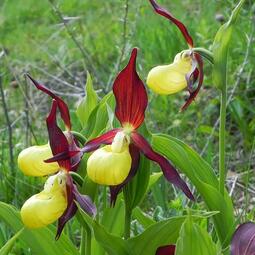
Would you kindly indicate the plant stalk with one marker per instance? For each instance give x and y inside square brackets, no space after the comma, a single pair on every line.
[222,140]
[88,242]
[128,215]
[85,247]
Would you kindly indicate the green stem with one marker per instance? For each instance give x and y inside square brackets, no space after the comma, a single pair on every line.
[88,241]
[85,247]
[128,215]
[79,137]
[205,53]
[222,142]
[83,242]
[77,178]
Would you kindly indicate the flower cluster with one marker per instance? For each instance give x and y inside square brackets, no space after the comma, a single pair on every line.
[58,199]
[115,154]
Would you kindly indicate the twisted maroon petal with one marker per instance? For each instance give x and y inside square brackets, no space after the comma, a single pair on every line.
[169,171]
[163,12]
[64,111]
[135,155]
[130,94]
[166,250]
[243,241]
[193,94]
[71,207]
[57,139]
[85,202]
[192,76]
[105,138]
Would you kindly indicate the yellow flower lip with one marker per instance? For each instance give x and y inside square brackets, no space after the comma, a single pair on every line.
[111,164]
[31,161]
[47,206]
[170,79]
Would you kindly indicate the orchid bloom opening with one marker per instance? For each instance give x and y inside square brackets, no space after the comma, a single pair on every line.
[57,200]
[117,162]
[184,72]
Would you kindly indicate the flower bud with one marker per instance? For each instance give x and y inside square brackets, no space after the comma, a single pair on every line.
[47,206]
[31,161]
[111,164]
[170,79]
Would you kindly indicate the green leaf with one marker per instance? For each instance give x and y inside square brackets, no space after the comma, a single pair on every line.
[112,244]
[144,219]
[203,178]
[41,241]
[113,218]
[154,177]
[88,103]
[220,48]
[6,249]
[194,240]
[98,118]
[159,234]
[135,190]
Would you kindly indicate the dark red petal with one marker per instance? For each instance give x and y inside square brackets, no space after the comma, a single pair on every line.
[192,76]
[135,155]
[63,108]
[71,207]
[194,93]
[105,138]
[57,139]
[130,94]
[243,241]
[168,170]
[85,202]
[62,156]
[73,147]
[166,250]
[163,12]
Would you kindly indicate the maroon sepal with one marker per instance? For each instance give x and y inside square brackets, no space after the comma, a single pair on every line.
[57,139]
[74,151]
[72,196]
[105,138]
[63,108]
[168,170]
[163,12]
[85,202]
[166,250]
[243,241]
[194,93]
[192,76]
[62,156]
[130,94]
[71,207]
[135,155]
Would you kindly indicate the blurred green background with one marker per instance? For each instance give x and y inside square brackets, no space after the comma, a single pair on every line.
[58,41]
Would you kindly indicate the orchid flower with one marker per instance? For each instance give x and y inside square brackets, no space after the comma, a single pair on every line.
[184,72]
[117,162]
[57,200]
[166,250]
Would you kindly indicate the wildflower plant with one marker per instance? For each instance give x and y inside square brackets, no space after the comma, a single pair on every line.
[114,149]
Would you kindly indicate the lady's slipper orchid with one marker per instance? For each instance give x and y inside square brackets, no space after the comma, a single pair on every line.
[47,206]
[117,162]
[184,72]
[31,161]
[57,200]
